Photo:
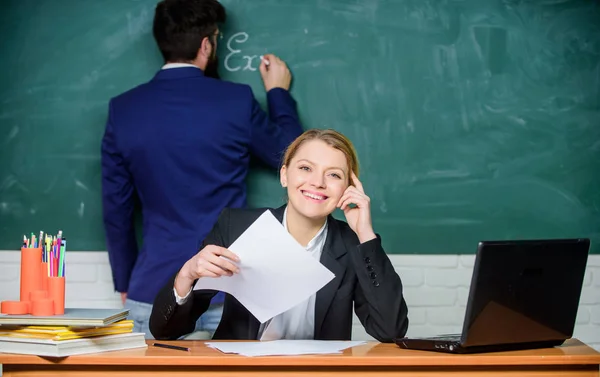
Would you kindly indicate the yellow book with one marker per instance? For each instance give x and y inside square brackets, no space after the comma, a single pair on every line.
[65,332]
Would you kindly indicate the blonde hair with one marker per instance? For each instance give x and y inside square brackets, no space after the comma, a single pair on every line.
[330,137]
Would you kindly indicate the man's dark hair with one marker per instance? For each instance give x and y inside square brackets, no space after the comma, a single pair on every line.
[181,25]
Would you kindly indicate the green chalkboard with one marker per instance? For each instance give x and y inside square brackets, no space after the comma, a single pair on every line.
[474,119]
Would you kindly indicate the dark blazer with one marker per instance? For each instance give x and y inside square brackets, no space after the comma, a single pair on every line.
[182,144]
[364,277]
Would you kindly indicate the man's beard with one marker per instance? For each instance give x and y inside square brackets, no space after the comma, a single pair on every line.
[212,67]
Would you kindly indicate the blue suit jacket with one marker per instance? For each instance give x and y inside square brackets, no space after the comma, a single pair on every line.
[181,141]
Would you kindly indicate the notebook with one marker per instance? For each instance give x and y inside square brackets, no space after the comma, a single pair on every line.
[72,317]
[523,294]
[62,348]
[65,332]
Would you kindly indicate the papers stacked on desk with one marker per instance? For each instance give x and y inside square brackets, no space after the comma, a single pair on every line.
[60,341]
[284,347]
[72,317]
[62,348]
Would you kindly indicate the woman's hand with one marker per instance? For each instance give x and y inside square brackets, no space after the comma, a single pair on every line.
[358,217]
[212,261]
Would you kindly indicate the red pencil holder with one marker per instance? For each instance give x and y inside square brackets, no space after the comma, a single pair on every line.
[56,291]
[42,307]
[15,307]
[31,276]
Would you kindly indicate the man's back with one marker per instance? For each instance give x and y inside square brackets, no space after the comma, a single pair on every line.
[183,142]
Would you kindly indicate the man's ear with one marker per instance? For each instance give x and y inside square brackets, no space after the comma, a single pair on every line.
[283,176]
[205,48]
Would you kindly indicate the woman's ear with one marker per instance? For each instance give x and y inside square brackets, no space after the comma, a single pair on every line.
[283,176]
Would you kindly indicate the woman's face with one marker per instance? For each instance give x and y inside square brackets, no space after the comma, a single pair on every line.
[315,178]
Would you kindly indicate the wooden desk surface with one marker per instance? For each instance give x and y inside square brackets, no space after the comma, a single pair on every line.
[386,357]
[371,354]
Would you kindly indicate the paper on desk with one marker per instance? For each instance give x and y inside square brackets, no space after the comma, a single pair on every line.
[276,273]
[284,347]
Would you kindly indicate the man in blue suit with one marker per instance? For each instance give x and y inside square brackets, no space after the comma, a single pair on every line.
[182,143]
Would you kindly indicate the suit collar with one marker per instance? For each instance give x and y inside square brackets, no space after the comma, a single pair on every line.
[178,73]
[333,250]
[278,213]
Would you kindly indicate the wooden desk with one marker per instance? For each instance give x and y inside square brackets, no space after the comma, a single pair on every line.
[373,359]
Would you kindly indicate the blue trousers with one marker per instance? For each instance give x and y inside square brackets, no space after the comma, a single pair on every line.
[140,312]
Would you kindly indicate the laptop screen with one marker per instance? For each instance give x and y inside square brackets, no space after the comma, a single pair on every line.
[524,291]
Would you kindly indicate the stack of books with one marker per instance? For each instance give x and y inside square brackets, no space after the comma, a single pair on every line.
[78,331]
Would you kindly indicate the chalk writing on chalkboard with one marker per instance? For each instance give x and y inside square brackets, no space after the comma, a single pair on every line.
[247,62]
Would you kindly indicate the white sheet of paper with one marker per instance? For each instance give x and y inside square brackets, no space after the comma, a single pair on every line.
[276,272]
[284,347]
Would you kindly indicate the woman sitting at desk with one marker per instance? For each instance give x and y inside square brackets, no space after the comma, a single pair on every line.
[320,173]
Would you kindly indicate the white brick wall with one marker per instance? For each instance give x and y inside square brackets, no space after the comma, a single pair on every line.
[435,287]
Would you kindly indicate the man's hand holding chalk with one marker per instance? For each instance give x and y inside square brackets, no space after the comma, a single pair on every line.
[262,59]
[274,72]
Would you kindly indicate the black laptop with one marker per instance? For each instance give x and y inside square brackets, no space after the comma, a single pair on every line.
[524,294]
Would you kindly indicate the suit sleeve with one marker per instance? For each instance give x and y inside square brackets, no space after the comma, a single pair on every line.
[117,206]
[169,320]
[271,135]
[378,299]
